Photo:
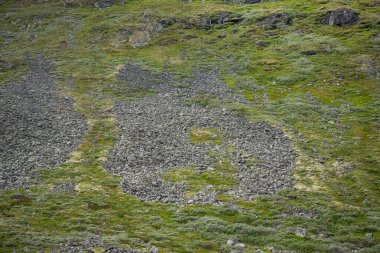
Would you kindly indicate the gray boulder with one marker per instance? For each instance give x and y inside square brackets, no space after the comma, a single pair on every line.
[341,17]
[275,21]
[101,4]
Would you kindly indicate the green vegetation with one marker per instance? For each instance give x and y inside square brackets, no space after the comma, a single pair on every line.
[316,82]
[197,180]
[207,135]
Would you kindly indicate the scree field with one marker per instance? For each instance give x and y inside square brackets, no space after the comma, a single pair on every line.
[232,126]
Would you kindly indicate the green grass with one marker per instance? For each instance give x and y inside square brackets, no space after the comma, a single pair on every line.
[208,135]
[325,101]
[198,180]
[204,100]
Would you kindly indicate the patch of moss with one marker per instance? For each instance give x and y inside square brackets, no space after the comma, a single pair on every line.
[208,135]
[197,180]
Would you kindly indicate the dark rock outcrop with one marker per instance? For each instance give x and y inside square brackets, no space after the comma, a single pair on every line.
[275,21]
[103,4]
[205,22]
[341,17]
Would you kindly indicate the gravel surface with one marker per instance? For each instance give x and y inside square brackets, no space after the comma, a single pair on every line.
[94,242]
[154,138]
[38,129]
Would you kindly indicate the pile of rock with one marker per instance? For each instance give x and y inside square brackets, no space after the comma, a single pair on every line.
[154,138]
[39,128]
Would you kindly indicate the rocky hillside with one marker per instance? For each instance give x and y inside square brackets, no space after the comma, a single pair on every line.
[189,126]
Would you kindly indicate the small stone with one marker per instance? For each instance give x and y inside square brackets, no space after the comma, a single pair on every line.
[321,159]
[310,52]
[17,196]
[6,65]
[153,250]
[241,245]
[301,232]
[210,169]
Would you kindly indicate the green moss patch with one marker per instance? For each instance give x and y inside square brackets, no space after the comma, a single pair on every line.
[207,135]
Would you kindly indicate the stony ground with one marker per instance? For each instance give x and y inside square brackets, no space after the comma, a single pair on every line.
[96,242]
[39,128]
[311,68]
[154,138]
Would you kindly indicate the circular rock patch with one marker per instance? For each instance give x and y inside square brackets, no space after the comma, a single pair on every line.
[173,151]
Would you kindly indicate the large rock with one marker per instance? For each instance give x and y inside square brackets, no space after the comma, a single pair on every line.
[341,17]
[275,21]
[103,4]
[204,21]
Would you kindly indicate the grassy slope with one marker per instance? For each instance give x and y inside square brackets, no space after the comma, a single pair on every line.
[306,95]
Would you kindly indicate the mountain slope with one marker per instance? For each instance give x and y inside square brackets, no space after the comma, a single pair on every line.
[308,69]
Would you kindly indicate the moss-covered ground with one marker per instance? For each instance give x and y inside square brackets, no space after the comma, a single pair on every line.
[327,101]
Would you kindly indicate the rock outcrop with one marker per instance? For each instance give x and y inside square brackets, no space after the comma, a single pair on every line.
[341,17]
[205,22]
[275,21]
